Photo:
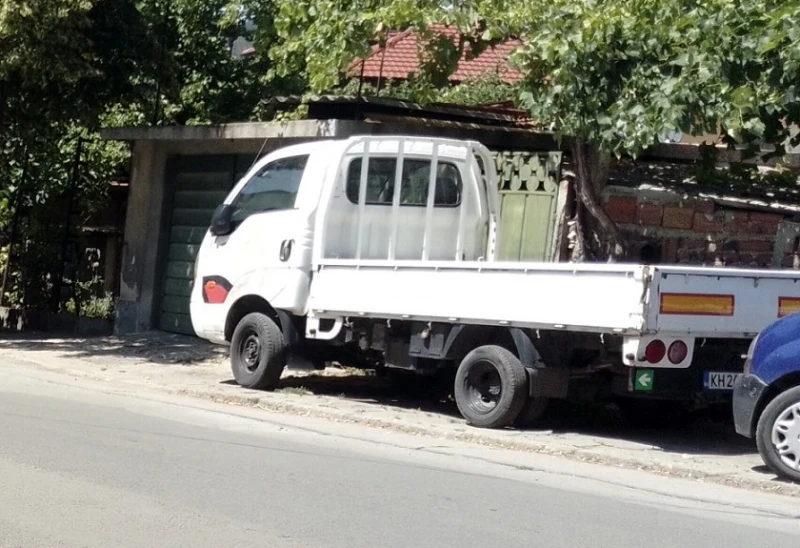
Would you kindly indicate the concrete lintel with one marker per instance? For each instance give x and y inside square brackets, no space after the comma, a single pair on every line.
[497,138]
[493,137]
[250,130]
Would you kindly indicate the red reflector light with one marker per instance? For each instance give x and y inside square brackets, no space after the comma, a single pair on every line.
[655,351]
[677,352]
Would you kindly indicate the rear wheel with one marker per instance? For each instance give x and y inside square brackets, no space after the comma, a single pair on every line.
[491,387]
[778,435]
[257,352]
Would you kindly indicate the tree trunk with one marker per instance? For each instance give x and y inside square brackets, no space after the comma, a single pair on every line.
[592,167]
[13,229]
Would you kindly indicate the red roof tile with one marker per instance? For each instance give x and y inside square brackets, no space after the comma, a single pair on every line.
[401,59]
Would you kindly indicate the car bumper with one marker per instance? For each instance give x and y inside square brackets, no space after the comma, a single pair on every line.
[747,394]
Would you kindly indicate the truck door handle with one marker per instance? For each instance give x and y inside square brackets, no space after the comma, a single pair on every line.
[286,250]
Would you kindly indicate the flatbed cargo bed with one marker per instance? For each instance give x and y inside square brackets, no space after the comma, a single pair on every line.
[603,298]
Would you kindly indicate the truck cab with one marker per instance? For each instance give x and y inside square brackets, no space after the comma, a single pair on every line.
[361,199]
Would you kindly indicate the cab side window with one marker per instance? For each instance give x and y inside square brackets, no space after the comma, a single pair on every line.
[274,187]
[380,180]
[413,186]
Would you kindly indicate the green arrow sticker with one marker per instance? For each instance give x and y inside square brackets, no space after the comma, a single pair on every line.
[643,381]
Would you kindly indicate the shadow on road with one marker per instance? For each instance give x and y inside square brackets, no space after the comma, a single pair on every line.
[153,347]
[707,433]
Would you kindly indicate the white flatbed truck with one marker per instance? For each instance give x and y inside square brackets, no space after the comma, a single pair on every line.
[381,252]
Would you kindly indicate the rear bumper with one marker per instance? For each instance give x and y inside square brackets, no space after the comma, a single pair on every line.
[747,395]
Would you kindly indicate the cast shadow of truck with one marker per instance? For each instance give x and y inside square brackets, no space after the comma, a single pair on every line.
[705,432]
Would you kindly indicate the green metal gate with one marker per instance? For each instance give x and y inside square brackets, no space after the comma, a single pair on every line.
[528,195]
[196,186]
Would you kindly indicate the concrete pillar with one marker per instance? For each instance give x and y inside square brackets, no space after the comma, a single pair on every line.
[143,225]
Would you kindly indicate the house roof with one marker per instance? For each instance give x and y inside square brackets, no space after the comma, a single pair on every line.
[401,57]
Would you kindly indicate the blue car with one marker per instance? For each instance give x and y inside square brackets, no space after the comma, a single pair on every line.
[766,399]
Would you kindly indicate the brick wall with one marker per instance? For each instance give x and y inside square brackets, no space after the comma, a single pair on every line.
[683,230]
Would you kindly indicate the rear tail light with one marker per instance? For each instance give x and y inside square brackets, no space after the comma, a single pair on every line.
[677,352]
[655,351]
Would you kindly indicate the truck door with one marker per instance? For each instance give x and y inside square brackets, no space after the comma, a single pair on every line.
[268,251]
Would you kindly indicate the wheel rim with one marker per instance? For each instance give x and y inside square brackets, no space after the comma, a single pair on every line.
[483,387]
[250,351]
[786,436]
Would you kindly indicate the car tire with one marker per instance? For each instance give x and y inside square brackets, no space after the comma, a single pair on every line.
[257,352]
[491,387]
[769,434]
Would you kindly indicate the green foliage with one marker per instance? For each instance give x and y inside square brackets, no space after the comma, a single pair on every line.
[320,39]
[486,90]
[91,300]
[617,74]
[72,66]
[620,74]
[198,79]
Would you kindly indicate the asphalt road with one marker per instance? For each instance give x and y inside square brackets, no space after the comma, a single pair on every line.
[79,467]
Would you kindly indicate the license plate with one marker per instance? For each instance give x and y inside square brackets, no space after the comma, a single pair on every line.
[720,380]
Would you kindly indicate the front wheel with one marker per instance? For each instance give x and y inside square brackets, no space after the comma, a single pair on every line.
[257,352]
[778,435]
[491,387]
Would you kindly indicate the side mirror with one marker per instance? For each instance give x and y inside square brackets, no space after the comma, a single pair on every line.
[222,220]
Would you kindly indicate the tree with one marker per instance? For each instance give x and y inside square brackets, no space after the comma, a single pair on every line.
[72,66]
[615,76]
[612,76]
[61,65]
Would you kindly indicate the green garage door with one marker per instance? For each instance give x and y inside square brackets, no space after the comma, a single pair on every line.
[196,186]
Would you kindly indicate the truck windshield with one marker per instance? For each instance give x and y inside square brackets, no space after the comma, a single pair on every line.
[273,187]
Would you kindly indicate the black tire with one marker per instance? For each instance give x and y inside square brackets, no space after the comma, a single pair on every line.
[491,387]
[257,352]
[655,414]
[783,403]
[532,412]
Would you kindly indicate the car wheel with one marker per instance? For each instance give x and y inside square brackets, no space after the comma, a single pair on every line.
[491,387]
[257,352]
[778,434]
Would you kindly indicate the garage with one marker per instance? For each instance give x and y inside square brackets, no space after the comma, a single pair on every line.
[179,174]
[196,185]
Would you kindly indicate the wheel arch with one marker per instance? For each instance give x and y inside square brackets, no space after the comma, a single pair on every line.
[462,339]
[249,304]
[786,382]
